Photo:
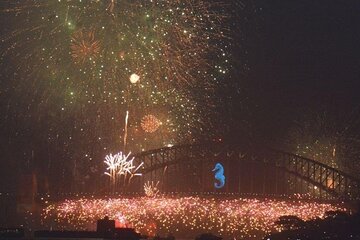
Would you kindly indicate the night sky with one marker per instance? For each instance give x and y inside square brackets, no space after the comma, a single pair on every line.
[304,56]
[290,61]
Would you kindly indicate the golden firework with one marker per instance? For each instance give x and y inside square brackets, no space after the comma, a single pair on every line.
[84,46]
[151,189]
[150,123]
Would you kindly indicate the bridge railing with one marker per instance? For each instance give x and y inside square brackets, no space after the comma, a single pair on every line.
[325,178]
[320,175]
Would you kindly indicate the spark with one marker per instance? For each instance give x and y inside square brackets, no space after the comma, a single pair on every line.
[126,129]
[134,78]
[111,6]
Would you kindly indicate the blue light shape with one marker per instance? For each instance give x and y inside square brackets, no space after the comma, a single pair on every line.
[219,175]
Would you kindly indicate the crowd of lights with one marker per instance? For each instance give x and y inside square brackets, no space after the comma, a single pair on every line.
[186,216]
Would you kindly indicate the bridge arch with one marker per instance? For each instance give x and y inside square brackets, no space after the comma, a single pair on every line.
[248,170]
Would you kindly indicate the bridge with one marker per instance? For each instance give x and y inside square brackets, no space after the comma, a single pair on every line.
[188,168]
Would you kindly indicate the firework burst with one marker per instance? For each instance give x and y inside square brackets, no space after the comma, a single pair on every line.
[151,189]
[84,47]
[150,123]
[120,165]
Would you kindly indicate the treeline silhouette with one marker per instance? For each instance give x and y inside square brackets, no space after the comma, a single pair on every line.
[336,225]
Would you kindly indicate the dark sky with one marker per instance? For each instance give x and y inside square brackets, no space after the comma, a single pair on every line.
[303,55]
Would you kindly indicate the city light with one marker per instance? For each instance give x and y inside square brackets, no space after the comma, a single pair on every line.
[187,216]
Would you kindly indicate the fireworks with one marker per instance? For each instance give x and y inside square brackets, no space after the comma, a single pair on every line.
[150,123]
[188,216]
[84,46]
[76,62]
[119,165]
[151,189]
[325,137]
